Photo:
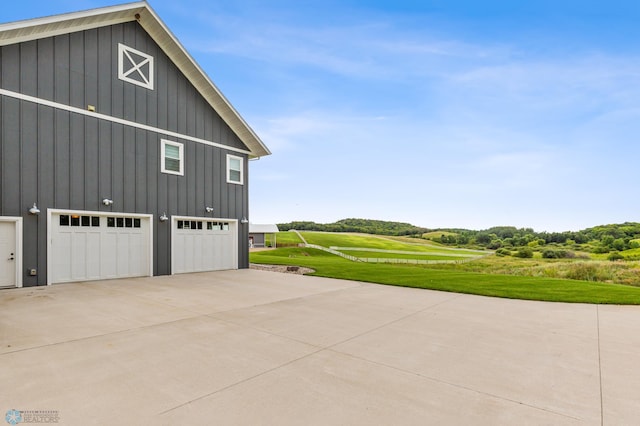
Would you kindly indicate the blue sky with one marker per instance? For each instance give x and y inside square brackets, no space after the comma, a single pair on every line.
[439,113]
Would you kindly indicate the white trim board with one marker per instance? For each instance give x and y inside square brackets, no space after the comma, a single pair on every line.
[112,119]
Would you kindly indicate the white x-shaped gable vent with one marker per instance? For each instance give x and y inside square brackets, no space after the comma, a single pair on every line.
[135,66]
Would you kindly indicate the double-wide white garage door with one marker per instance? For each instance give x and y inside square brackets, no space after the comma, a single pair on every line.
[96,245]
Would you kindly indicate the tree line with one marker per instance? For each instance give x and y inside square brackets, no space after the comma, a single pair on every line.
[598,239]
[365,226]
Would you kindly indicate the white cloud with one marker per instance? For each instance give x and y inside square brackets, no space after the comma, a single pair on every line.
[456,130]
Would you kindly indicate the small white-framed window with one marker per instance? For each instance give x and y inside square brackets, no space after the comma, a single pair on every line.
[235,169]
[135,66]
[172,158]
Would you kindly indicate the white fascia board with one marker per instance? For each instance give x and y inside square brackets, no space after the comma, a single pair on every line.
[33,29]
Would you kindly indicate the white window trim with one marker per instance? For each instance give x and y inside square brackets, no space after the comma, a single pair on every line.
[235,157]
[162,157]
[123,74]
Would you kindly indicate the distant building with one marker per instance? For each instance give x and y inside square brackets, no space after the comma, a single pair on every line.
[258,235]
[119,156]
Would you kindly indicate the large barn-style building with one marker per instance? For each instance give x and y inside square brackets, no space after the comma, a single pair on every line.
[119,157]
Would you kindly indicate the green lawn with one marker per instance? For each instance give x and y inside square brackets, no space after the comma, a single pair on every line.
[287,237]
[516,287]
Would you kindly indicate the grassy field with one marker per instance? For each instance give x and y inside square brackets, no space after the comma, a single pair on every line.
[328,239]
[437,234]
[627,273]
[567,280]
[631,253]
[395,255]
[287,238]
[516,287]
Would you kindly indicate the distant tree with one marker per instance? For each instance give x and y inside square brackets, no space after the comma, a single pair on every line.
[618,244]
[462,239]
[607,240]
[483,238]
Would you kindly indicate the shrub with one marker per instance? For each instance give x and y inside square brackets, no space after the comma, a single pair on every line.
[524,253]
[615,256]
[550,254]
[589,271]
[601,249]
[494,244]
[558,254]
[503,252]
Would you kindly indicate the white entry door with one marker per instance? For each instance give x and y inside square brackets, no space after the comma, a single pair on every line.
[96,246]
[8,254]
[200,244]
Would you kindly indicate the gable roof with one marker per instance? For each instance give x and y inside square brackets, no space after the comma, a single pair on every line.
[33,29]
[263,229]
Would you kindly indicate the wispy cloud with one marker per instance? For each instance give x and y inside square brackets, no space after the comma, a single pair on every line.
[406,110]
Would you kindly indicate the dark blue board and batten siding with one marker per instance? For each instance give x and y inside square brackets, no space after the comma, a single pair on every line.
[65,160]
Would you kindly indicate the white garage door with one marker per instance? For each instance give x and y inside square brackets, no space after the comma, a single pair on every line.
[200,244]
[94,246]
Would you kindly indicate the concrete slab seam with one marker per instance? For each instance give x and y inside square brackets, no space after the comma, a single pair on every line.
[245,380]
[600,365]
[96,336]
[213,315]
[240,308]
[455,385]
[320,349]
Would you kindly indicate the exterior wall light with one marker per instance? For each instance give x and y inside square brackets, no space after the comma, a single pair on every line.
[34,210]
[163,217]
[244,220]
[209,209]
[107,202]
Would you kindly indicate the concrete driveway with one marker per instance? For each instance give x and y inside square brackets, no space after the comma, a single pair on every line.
[262,348]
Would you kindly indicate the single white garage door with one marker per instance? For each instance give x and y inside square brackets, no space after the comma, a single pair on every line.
[200,244]
[95,246]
